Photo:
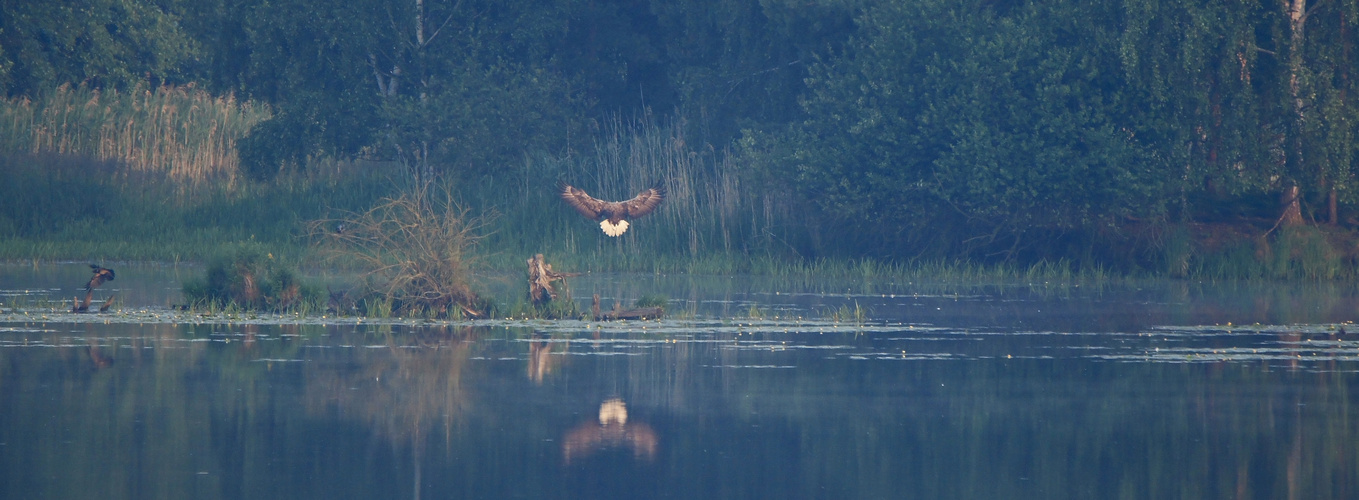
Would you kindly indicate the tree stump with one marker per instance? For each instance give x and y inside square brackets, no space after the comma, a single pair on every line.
[541,276]
[1292,207]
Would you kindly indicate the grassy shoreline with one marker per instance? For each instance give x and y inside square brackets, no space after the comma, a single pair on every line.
[112,219]
[75,187]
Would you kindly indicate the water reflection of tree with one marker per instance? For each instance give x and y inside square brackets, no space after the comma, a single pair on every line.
[540,357]
[137,408]
[172,405]
[404,392]
[990,428]
[415,382]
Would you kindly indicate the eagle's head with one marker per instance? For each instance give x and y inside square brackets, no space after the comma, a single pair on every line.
[612,229]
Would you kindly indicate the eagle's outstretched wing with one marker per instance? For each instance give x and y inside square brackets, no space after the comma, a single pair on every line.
[613,215]
[581,201]
[645,201]
[101,275]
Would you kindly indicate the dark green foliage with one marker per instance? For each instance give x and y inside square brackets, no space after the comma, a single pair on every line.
[105,43]
[907,132]
[271,146]
[458,88]
[1197,95]
[740,63]
[466,87]
[660,301]
[994,128]
[248,276]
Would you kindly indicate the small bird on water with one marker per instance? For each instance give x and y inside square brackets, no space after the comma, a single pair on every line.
[613,215]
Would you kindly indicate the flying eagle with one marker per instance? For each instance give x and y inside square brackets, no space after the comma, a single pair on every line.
[614,214]
[101,274]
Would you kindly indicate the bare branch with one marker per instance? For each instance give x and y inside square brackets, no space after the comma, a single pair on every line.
[452,11]
[414,252]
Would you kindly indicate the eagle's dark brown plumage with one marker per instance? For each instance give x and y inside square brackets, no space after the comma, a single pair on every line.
[613,215]
[101,274]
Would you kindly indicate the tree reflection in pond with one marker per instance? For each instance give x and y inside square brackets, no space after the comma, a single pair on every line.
[540,362]
[714,409]
[403,396]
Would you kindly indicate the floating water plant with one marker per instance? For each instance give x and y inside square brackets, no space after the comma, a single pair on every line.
[844,314]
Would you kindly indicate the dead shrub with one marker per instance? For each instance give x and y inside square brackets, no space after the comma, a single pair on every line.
[415,251]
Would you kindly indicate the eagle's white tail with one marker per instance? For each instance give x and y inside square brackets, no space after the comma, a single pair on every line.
[611,229]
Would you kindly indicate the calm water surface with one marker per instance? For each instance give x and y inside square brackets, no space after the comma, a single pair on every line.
[1163,390]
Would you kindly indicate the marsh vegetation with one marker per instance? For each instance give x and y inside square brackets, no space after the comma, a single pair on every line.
[1120,235]
[797,151]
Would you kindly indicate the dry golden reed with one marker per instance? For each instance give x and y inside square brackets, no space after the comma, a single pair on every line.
[184,133]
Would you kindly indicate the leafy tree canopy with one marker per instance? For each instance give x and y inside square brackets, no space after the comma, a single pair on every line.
[105,43]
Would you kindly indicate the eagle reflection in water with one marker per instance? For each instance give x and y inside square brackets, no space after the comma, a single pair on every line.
[612,431]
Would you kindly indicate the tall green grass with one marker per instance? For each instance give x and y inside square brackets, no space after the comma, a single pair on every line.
[142,174]
[714,221]
[1295,253]
[151,174]
[249,277]
[710,218]
[67,207]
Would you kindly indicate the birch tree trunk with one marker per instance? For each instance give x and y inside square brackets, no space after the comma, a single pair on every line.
[412,151]
[1293,148]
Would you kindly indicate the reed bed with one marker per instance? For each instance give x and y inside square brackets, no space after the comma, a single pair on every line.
[1299,253]
[151,174]
[714,221]
[63,207]
[710,218]
[184,133]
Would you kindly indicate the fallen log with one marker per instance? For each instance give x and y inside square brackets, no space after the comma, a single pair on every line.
[640,313]
[619,313]
[468,312]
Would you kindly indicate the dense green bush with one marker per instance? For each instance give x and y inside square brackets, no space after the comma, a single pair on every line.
[249,277]
[950,128]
